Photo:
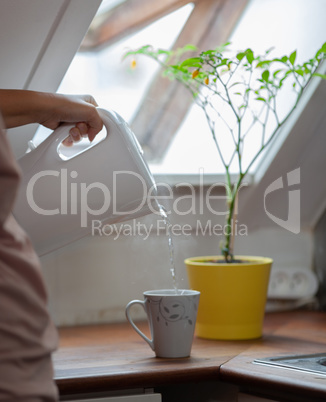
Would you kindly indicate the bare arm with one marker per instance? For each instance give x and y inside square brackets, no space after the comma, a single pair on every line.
[20,107]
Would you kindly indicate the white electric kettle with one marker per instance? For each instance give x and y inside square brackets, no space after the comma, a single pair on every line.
[62,199]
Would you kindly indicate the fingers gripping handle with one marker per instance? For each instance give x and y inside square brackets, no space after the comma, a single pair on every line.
[129,305]
[62,132]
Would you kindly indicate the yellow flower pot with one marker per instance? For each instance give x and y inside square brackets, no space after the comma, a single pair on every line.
[232,296]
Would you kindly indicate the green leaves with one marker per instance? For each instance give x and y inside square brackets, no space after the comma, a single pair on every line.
[227,76]
[276,73]
[321,51]
[323,76]
[265,75]
[190,48]
[248,54]
[147,50]
[192,62]
[222,48]
[240,56]
[293,57]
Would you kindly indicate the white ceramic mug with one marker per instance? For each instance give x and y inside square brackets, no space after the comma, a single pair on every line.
[172,317]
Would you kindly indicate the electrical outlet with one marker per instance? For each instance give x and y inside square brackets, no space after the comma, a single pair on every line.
[292,283]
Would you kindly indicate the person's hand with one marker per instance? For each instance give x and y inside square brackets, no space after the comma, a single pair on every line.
[79,110]
[19,107]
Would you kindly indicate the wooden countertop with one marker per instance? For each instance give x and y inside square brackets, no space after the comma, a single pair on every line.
[113,357]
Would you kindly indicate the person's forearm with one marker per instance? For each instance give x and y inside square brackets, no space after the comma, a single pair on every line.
[20,107]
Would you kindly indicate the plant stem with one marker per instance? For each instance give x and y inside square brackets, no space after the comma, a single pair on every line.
[227,249]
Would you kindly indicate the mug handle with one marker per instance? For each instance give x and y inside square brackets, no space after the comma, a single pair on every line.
[129,305]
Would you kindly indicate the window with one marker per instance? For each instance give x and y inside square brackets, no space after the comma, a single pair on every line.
[166,132]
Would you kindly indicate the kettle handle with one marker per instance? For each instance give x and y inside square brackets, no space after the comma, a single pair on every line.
[59,134]
[112,122]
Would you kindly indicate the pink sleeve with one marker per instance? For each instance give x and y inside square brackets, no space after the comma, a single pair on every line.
[27,334]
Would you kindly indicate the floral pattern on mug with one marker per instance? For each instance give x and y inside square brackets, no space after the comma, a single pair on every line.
[174,309]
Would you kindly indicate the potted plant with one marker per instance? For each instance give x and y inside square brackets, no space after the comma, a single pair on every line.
[241,90]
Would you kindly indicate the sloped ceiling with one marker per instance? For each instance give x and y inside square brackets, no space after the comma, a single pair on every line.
[38,40]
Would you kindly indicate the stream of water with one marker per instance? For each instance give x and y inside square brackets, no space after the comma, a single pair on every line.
[164,215]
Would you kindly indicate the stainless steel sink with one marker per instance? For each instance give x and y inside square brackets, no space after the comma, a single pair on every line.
[315,363]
